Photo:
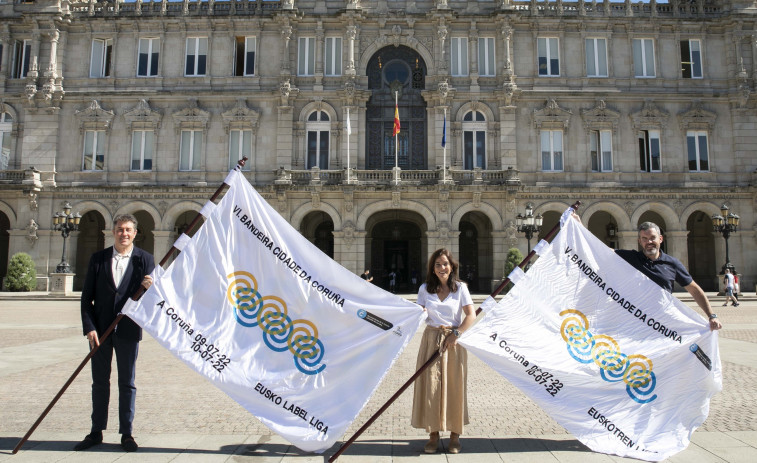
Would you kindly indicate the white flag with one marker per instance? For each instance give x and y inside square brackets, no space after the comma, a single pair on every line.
[295,338]
[616,360]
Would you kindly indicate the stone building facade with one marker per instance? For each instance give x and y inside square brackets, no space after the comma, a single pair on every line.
[642,111]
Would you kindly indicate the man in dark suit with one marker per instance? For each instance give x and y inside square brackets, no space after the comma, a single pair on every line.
[114,274]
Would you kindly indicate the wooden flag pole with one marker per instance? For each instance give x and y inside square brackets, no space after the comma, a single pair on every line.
[138,294]
[435,357]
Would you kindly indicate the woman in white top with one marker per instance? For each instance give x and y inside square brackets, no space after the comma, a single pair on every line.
[439,400]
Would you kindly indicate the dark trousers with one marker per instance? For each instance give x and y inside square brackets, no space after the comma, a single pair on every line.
[126,361]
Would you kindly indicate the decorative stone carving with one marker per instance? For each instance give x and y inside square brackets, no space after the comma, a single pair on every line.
[629,207]
[396,196]
[143,117]
[600,117]
[93,117]
[697,117]
[191,117]
[348,230]
[650,117]
[552,115]
[162,207]
[31,232]
[511,232]
[396,35]
[349,198]
[240,117]
[33,205]
[443,201]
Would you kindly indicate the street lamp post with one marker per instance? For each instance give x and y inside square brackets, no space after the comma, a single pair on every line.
[529,223]
[725,224]
[65,223]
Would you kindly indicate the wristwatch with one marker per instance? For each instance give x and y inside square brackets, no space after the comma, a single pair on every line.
[456,332]
[712,315]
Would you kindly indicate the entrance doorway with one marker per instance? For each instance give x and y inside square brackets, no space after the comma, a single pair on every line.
[701,248]
[90,240]
[396,243]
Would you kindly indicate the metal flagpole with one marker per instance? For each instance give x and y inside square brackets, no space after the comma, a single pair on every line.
[112,326]
[435,357]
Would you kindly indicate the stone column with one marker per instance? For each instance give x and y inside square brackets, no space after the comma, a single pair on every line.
[163,240]
[351,35]
[628,239]
[677,244]
[499,257]
[473,57]
[319,39]
[286,35]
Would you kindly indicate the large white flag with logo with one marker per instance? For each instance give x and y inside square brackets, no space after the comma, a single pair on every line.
[619,362]
[298,340]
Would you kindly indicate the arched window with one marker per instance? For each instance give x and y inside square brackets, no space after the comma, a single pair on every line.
[6,126]
[318,131]
[474,140]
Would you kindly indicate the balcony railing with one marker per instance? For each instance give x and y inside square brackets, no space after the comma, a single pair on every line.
[316,176]
[675,8]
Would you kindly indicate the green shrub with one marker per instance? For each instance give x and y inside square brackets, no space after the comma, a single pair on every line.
[22,273]
[514,257]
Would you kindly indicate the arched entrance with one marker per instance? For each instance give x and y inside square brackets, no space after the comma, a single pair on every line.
[182,224]
[90,240]
[604,226]
[476,252]
[318,228]
[397,243]
[550,220]
[701,249]
[145,239]
[401,70]
[5,225]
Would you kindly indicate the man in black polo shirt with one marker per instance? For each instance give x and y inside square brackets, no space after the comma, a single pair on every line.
[664,269]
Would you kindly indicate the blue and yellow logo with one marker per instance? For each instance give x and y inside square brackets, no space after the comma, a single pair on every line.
[634,370]
[280,333]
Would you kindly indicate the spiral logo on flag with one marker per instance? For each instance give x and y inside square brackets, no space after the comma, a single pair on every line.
[585,347]
[280,332]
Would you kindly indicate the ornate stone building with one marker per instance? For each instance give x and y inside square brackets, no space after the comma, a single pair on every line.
[643,111]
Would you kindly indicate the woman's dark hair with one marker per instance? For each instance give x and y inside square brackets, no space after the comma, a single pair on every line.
[432,281]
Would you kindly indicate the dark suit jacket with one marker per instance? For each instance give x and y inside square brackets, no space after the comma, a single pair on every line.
[101,301]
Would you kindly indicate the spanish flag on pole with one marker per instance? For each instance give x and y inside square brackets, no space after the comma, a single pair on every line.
[396,120]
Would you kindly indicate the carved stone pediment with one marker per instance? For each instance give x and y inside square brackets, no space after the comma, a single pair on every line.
[94,117]
[191,116]
[600,117]
[240,116]
[697,118]
[142,116]
[552,115]
[650,117]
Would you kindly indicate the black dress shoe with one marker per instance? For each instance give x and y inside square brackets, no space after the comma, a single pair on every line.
[90,440]
[128,443]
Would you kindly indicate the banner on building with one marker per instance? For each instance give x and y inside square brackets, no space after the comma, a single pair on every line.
[298,340]
[616,360]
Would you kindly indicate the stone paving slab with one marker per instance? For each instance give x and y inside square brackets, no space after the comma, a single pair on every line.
[182,417]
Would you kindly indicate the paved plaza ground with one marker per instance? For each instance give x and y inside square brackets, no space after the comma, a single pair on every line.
[183,418]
